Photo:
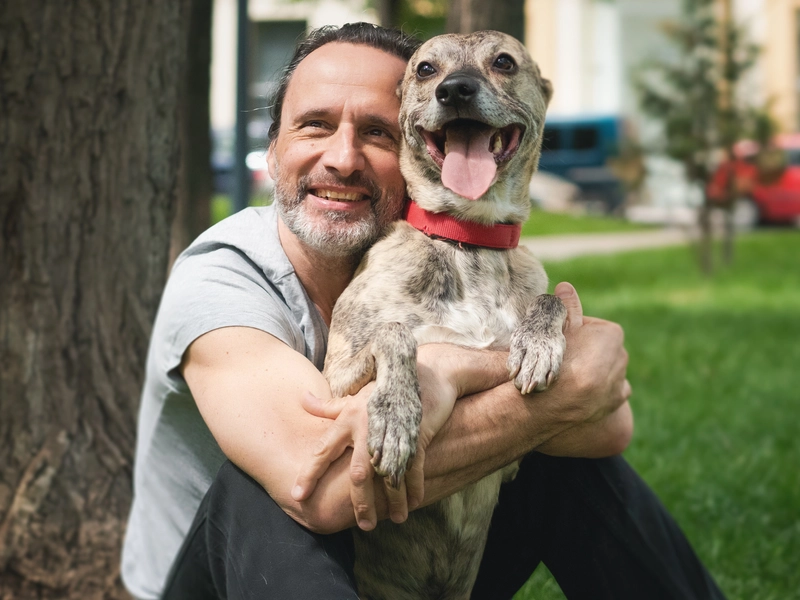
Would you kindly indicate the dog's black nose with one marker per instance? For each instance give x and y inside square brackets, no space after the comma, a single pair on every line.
[456,89]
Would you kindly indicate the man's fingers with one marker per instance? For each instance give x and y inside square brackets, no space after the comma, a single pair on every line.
[329,447]
[415,479]
[572,302]
[398,501]
[362,492]
[327,409]
[626,390]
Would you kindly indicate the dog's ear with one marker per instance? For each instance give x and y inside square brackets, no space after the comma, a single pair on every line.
[399,90]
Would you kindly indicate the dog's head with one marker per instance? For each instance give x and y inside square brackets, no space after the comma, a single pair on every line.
[472,115]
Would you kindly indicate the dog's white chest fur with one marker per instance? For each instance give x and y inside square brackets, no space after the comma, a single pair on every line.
[472,322]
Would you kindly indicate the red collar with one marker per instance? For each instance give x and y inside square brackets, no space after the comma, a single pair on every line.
[442,225]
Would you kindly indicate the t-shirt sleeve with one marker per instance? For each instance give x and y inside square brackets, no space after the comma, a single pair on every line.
[220,287]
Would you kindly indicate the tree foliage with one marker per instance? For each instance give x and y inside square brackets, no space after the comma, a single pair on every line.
[696,96]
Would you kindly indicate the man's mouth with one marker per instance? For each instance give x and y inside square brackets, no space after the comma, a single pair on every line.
[469,152]
[339,196]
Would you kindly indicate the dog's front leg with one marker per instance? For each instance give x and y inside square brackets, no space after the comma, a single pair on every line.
[394,408]
[537,345]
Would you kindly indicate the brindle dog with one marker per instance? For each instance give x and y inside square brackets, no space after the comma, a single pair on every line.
[472,117]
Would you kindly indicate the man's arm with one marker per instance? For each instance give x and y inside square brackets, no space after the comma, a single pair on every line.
[585,413]
[249,388]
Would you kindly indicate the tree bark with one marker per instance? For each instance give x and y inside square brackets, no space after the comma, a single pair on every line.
[467,16]
[705,244]
[89,153]
[193,212]
[729,234]
[389,13]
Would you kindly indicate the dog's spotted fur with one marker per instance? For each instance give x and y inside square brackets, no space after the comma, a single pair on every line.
[411,289]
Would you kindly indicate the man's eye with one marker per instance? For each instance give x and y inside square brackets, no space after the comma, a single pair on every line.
[425,69]
[504,63]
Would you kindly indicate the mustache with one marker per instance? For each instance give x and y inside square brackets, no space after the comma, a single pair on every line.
[355,180]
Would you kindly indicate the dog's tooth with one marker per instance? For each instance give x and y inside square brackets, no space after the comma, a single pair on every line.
[498,143]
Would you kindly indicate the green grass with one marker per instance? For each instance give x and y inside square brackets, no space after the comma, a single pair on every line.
[222,205]
[715,369]
[547,223]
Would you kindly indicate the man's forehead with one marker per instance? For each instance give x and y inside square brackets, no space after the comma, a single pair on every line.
[347,64]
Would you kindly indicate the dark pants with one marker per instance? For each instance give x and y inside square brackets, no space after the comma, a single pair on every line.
[594,523]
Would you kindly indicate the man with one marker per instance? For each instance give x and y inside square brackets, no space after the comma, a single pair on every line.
[234,371]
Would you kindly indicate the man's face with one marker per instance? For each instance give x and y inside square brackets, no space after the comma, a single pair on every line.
[335,160]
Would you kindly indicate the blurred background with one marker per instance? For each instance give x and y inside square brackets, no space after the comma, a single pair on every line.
[603,150]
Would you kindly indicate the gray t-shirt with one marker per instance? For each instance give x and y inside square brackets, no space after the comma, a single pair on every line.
[235,274]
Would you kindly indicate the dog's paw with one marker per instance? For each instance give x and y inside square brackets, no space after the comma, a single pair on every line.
[534,360]
[393,428]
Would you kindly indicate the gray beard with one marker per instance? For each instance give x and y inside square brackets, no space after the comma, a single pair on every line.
[337,236]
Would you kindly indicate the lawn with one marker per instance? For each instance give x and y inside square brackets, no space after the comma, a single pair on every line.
[715,369]
[548,223]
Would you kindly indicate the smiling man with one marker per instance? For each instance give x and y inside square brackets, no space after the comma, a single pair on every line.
[342,183]
[239,343]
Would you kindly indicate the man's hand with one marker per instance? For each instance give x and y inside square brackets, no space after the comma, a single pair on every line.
[349,429]
[445,372]
[593,385]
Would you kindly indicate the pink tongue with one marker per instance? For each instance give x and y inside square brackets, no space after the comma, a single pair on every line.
[469,166]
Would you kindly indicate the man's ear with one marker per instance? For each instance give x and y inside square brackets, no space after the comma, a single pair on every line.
[272,164]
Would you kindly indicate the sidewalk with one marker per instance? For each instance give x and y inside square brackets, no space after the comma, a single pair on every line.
[562,247]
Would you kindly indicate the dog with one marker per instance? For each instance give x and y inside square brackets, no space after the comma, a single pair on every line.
[472,117]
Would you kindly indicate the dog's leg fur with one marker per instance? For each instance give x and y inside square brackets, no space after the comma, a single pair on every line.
[346,373]
[537,345]
[394,409]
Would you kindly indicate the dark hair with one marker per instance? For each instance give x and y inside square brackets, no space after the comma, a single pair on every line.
[392,41]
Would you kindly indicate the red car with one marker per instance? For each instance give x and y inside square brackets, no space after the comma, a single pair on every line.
[770,193]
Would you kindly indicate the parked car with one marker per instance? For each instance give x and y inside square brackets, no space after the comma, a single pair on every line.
[579,149]
[766,181]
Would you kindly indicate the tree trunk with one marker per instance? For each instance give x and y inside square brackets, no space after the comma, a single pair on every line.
[706,242]
[728,234]
[389,13]
[466,16]
[193,213]
[89,154]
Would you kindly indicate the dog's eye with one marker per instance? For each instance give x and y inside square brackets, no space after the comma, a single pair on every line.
[504,63]
[425,69]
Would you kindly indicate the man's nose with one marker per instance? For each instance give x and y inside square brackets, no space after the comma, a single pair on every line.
[344,153]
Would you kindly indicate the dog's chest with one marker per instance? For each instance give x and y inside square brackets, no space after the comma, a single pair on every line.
[444,293]
[484,317]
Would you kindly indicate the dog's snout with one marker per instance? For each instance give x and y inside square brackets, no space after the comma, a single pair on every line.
[456,89]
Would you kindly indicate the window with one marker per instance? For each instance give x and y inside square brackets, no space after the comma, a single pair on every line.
[584,138]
